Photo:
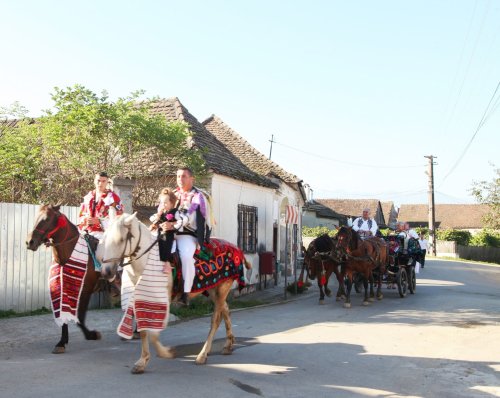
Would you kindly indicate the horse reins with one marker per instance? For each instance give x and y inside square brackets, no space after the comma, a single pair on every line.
[129,237]
[62,222]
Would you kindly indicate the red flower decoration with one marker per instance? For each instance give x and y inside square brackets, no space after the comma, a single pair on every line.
[322,281]
[170,217]
[300,284]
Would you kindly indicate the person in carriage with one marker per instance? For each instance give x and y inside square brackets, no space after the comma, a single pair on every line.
[365,226]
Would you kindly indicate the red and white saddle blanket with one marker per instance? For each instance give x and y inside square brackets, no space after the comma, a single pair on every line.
[66,284]
[149,301]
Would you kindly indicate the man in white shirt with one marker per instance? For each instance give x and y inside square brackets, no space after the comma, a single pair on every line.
[423,247]
[365,226]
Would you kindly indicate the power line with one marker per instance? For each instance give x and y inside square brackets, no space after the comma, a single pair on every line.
[481,123]
[345,161]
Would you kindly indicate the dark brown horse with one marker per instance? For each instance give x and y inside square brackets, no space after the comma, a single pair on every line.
[54,229]
[366,257]
[320,261]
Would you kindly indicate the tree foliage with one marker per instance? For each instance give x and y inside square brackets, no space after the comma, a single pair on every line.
[488,192]
[461,237]
[314,232]
[55,158]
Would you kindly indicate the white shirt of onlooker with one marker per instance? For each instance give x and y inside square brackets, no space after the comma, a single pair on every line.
[423,243]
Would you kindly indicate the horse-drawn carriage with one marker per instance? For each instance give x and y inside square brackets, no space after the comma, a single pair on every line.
[357,262]
[400,267]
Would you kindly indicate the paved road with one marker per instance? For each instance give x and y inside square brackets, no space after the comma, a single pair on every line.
[444,341]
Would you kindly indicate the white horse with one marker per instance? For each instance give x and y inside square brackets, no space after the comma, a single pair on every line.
[128,237]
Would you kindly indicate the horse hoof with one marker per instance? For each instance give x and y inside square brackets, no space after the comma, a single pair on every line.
[329,294]
[227,351]
[380,297]
[321,302]
[98,335]
[371,299]
[338,298]
[347,305]
[136,370]
[58,350]
[201,361]
[366,303]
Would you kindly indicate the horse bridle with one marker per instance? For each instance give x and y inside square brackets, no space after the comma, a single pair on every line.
[61,222]
[128,238]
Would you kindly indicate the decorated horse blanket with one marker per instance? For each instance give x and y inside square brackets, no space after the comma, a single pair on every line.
[148,302]
[216,262]
[66,284]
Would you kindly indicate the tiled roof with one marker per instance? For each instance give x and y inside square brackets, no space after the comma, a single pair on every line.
[323,211]
[455,216]
[255,160]
[218,157]
[353,207]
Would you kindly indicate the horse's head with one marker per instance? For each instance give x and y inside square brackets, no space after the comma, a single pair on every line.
[47,223]
[121,240]
[319,249]
[346,239]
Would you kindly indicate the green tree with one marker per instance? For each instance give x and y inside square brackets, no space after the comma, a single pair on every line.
[488,192]
[55,158]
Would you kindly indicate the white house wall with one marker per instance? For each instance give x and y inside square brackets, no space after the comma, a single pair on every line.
[227,194]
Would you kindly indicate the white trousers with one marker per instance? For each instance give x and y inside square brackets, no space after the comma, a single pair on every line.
[186,244]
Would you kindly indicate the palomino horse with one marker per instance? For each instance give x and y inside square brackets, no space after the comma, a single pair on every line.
[321,262]
[364,257]
[127,237]
[54,229]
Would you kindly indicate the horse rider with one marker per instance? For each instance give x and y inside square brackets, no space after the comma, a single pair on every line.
[365,226]
[94,211]
[404,231]
[195,228]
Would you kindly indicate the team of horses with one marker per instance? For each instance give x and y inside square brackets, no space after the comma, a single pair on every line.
[126,237]
[352,259]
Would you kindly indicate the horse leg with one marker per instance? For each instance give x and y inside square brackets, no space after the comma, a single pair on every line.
[142,362]
[230,340]
[372,294]
[347,303]
[60,347]
[366,278]
[88,288]
[161,350]
[328,292]
[341,289]
[201,359]
[82,314]
[321,292]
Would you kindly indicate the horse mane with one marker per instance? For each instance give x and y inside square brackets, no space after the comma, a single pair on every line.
[323,243]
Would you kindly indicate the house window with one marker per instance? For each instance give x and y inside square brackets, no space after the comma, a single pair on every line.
[247,228]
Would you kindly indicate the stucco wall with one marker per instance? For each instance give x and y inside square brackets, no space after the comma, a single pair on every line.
[227,194]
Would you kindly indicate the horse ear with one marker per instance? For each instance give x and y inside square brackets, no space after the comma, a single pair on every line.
[57,206]
[128,220]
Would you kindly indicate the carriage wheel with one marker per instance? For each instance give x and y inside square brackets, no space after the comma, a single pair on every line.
[402,281]
[412,280]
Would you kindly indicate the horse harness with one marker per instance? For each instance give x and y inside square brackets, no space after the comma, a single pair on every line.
[128,238]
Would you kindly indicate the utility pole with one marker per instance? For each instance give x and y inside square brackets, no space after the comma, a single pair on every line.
[432,212]
[271,150]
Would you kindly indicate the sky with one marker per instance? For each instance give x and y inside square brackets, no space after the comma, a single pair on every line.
[355,93]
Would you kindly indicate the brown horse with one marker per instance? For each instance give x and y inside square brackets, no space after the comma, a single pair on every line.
[367,257]
[54,229]
[128,237]
[320,261]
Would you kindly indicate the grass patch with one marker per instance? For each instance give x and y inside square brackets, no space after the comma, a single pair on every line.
[13,314]
[462,260]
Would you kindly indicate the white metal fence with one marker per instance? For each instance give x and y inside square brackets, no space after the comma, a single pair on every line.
[23,273]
